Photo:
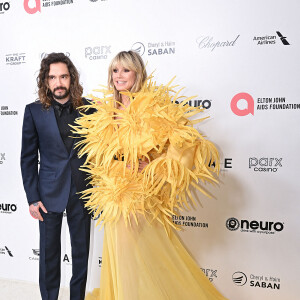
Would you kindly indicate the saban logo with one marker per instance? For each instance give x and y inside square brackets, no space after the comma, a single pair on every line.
[139,48]
[239,278]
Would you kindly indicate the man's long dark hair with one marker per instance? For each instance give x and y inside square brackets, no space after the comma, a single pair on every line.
[45,95]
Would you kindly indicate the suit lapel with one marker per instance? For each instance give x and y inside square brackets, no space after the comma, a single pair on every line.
[54,125]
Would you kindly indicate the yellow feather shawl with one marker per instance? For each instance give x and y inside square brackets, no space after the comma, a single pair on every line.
[153,127]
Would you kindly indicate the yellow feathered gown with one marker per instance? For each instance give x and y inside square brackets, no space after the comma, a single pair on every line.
[143,259]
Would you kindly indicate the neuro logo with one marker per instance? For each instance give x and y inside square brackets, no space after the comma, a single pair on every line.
[282,38]
[242,112]
[260,227]
[4,7]
[7,208]
[239,278]
[232,224]
[203,103]
[9,252]
[32,6]
[139,48]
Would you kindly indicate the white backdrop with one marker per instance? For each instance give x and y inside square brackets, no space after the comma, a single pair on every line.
[246,239]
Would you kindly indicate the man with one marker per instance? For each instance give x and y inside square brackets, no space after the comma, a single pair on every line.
[54,187]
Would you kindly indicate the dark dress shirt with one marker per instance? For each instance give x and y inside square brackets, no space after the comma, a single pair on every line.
[65,114]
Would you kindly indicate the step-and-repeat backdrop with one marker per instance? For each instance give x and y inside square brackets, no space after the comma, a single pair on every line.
[241,59]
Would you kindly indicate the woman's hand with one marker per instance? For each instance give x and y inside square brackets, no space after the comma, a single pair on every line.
[142,164]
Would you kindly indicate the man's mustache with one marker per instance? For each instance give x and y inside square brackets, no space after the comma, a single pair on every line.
[59,88]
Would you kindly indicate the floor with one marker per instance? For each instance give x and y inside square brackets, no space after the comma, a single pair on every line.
[22,290]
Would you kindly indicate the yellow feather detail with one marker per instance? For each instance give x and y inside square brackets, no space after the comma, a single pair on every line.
[113,141]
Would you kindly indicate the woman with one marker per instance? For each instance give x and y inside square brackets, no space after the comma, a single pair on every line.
[143,154]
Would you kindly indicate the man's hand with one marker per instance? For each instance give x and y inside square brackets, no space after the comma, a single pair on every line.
[34,210]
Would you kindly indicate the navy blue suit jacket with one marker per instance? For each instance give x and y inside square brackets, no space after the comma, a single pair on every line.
[51,182]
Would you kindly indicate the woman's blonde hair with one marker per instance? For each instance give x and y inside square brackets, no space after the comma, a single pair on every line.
[132,61]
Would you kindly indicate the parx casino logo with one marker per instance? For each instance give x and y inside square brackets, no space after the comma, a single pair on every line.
[210,274]
[265,164]
[2,158]
[97,52]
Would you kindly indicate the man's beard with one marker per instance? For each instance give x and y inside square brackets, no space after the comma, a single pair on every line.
[61,96]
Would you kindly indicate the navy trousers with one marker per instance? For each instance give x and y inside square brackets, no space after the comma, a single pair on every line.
[50,249]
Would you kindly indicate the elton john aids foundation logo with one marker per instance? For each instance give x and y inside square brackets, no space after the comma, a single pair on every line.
[242,104]
[32,6]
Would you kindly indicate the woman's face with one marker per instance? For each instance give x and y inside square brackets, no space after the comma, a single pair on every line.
[123,78]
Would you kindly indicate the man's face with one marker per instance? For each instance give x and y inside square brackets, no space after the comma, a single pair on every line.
[59,81]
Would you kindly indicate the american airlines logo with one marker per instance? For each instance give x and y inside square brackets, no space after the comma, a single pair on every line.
[282,38]
[5,250]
